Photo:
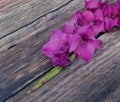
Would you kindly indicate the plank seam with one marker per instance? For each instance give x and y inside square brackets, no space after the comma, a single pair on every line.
[37,19]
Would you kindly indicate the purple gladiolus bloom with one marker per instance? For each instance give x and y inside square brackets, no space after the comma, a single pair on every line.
[60,46]
[92,4]
[95,20]
[117,6]
[87,46]
[57,48]
[95,4]
[79,35]
[69,28]
[61,59]
[110,16]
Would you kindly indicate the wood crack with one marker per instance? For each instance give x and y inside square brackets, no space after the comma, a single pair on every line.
[36,19]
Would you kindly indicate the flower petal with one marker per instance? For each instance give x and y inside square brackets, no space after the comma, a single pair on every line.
[88,16]
[68,28]
[99,15]
[83,29]
[73,42]
[107,24]
[98,28]
[114,22]
[54,45]
[77,19]
[56,35]
[85,51]
[108,10]
[97,44]
[91,4]
[61,60]
[50,48]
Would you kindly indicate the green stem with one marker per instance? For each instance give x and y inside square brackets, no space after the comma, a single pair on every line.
[55,71]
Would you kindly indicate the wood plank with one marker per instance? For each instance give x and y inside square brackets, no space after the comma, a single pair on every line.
[46,18]
[25,26]
[113,96]
[21,13]
[26,22]
[21,58]
[83,82]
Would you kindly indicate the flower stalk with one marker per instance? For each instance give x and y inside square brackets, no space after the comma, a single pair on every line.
[50,75]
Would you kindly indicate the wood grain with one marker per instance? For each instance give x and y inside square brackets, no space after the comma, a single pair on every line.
[96,81]
[20,56]
[25,26]
[55,16]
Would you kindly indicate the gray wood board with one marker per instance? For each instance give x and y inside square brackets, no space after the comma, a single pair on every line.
[25,26]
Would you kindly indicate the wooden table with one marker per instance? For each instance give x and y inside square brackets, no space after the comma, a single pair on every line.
[25,26]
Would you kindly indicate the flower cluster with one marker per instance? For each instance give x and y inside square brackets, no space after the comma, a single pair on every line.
[79,36]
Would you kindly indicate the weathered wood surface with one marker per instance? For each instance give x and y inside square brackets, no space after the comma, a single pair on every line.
[25,25]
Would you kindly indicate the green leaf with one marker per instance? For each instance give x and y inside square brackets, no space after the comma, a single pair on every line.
[72,57]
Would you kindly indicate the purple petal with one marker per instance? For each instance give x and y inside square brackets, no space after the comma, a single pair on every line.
[73,42]
[108,10]
[107,24]
[54,45]
[69,27]
[114,22]
[98,28]
[102,3]
[91,4]
[89,32]
[88,16]
[61,60]
[77,19]
[116,10]
[97,44]
[99,15]
[56,35]
[83,29]
[118,1]
[85,51]
[50,48]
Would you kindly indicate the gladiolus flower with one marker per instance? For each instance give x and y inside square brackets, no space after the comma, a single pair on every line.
[57,48]
[87,46]
[95,4]
[110,16]
[79,35]
[60,46]
[95,20]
